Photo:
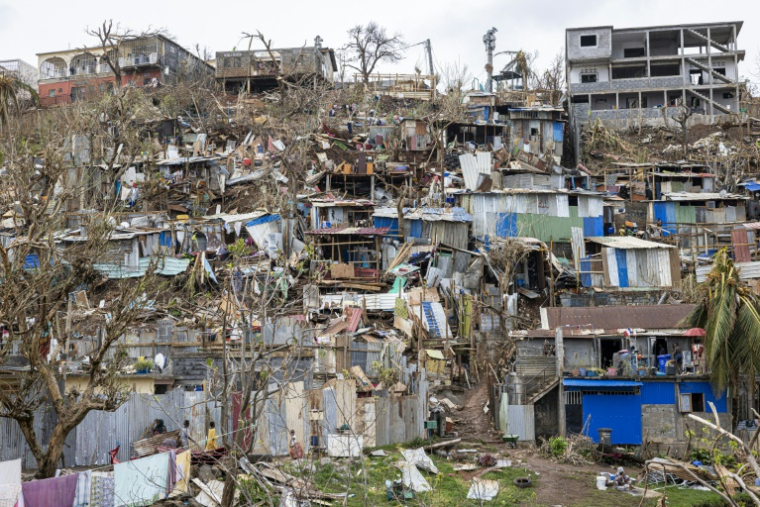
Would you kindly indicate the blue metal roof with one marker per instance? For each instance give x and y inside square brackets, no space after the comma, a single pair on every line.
[751,186]
[572,382]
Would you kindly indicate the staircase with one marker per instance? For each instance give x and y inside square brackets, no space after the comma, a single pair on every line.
[705,68]
[537,375]
[717,106]
[708,40]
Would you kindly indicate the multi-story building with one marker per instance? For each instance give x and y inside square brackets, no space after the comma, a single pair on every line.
[20,70]
[631,73]
[151,61]
[259,69]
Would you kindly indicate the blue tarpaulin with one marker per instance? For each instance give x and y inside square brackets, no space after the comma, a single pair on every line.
[263,220]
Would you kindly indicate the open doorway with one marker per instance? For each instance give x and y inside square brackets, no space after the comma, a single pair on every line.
[608,349]
[659,347]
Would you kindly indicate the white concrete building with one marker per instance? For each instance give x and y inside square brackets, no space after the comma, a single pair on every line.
[631,73]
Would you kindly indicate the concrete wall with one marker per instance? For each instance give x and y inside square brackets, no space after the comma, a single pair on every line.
[603,48]
[546,415]
[664,427]
[580,353]
[601,70]
[621,42]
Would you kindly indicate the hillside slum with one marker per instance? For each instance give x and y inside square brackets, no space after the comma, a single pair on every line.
[392,269]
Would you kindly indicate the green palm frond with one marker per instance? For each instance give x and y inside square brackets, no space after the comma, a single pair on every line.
[747,339]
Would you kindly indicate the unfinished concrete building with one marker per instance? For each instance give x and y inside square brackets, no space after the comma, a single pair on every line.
[630,74]
[257,70]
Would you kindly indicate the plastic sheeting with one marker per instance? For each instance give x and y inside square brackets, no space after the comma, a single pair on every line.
[420,459]
[483,489]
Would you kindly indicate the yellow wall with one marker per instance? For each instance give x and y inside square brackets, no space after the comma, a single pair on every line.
[135,384]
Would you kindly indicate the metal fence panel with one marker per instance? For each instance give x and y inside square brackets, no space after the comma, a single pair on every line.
[521,421]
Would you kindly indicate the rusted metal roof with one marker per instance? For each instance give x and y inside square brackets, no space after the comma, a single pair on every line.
[354,319]
[354,231]
[619,317]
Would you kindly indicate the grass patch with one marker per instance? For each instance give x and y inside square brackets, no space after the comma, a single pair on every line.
[365,479]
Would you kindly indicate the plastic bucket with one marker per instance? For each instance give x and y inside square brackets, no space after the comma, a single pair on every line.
[582,372]
[601,482]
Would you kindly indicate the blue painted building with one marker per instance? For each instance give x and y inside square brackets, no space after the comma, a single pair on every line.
[638,410]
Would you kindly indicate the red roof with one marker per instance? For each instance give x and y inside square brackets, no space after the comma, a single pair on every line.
[354,231]
[354,319]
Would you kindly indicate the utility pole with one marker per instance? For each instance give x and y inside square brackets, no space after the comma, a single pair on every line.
[429,50]
[489,39]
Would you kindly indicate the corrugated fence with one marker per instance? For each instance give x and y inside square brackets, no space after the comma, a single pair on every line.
[397,419]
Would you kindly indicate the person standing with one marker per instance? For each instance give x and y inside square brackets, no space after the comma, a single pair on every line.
[211,437]
[184,435]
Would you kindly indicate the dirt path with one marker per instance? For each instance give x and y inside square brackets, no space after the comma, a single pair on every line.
[471,422]
[570,485]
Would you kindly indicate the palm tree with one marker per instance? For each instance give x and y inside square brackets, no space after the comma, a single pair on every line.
[729,312]
[9,95]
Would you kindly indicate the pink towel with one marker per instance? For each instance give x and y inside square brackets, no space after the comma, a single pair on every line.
[54,492]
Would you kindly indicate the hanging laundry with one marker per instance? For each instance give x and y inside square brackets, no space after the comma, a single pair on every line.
[53,492]
[102,489]
[10,484]
[84,487]
[141,481]
[183,473]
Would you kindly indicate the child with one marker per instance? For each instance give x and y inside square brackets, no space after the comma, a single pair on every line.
[211,437]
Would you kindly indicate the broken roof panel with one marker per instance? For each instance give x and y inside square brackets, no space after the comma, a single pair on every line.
[705,196]
[168,266]
[355,231]
[617,317]
[427,214]
[340,203]
[627,242]
[241,217]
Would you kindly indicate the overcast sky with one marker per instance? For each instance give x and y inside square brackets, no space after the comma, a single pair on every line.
[454,27]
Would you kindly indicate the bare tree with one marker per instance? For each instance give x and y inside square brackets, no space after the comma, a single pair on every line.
[369,45]
[684,113]
[551,81]
[38,278]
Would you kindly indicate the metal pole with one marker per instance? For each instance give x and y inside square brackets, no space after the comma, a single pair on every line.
[430,56]
[489,39]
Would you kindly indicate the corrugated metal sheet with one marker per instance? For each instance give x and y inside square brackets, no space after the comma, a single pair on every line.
[666,213]
[621,413]
[619,317]
[621,257]
[370,301]
[521,422]
[474,166]
[685,214]
[168,266]
[721,404]
[658,393]
[627,242]
[741,239]
[612,266]
[747,271]
[579,246]
[353,231]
